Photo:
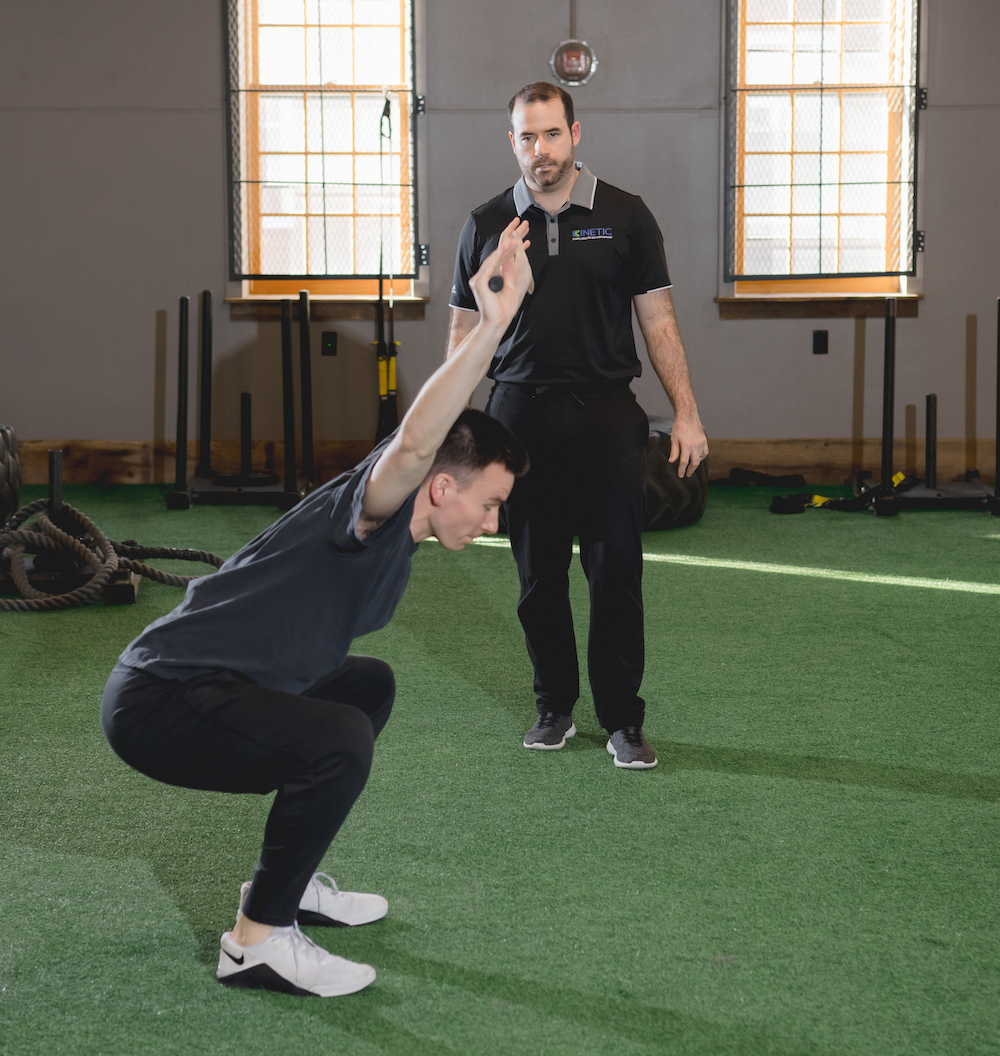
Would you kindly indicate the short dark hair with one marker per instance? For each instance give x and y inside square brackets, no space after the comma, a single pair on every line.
[542,92]
[476,441]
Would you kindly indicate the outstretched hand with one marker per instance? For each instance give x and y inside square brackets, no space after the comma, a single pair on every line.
[509,261]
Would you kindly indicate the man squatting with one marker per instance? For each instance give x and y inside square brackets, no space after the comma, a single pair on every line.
[561,384]
[247,686]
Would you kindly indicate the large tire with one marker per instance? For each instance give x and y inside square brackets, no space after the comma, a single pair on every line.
[671,502]
[10,475]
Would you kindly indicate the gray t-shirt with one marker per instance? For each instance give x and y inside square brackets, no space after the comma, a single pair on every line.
[284,610]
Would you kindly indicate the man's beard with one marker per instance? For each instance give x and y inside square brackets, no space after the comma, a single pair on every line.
[550,179]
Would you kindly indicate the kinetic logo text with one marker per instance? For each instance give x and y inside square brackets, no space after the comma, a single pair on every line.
[583,233]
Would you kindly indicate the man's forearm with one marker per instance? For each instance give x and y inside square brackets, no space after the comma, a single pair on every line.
[473,338]
[448,391]
[461,323]
[443,397]
[655,312]
[666,354]
[688,445]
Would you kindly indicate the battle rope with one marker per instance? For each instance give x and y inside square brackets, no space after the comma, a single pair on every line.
[103,555]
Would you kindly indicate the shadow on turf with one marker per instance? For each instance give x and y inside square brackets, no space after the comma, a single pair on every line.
[676,757]
[612,1016]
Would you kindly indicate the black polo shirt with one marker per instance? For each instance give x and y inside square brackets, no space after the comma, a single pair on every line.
[589,260]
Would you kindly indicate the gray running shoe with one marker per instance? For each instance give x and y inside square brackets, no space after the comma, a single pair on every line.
[550,731]
[631,749]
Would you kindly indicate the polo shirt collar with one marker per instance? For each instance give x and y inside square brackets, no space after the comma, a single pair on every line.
[582,194]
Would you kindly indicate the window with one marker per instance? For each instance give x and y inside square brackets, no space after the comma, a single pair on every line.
[322,173]
[821,139]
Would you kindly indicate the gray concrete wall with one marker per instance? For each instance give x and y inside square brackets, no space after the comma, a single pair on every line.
[112,169]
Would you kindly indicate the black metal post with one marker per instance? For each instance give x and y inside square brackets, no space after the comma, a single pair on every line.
[180,464]
[287,394]
[930,442]
[888,395]
[205,406]
[246,437]
[55,487]
[305,384]
[995,508]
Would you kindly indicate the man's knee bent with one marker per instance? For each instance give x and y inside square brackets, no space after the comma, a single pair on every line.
[346,747]
[380,677]
[379,690]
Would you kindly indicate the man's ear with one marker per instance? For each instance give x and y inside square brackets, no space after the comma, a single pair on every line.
[440,485]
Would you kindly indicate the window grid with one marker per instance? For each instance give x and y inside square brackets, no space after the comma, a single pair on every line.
[304,207]
[806,220]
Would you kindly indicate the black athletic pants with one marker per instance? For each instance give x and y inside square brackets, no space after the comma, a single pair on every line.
[223,733]
[588,464]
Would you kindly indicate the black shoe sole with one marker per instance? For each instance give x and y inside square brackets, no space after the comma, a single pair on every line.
[263,977]
[308,916]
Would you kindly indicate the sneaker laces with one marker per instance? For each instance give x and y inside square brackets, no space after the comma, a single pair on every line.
[330,882]
[303,948]
[632,735]
[548,719]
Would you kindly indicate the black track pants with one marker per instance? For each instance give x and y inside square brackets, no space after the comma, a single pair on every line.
[587,478]
[222,733]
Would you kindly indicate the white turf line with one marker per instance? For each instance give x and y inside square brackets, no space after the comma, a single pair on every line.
[801,570]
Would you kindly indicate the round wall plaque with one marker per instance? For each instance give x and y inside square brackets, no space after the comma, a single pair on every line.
[573,62]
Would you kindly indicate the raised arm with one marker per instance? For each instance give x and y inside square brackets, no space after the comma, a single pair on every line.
[655,312]
[461,323]
[410,455]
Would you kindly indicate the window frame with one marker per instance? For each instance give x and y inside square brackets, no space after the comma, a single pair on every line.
[804,284]
[240,242]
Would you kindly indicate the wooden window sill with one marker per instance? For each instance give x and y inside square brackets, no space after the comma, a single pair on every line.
[816,306]
[267,307]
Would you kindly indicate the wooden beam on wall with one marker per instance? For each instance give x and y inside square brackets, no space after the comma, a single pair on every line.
[820,461]
[835,460]
[265,309]
[148,462]
[829,307]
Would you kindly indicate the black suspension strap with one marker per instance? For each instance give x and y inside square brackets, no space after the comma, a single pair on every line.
[388,415]
[391,412]
[899,484]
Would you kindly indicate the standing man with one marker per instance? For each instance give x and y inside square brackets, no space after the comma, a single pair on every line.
[561,384]
[247,686]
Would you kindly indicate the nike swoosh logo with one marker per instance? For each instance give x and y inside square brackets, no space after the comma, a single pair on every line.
[238,960]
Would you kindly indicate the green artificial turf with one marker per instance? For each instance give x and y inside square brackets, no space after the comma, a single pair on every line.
[811,870]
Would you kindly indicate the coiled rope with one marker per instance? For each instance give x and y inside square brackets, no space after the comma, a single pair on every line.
[103,555]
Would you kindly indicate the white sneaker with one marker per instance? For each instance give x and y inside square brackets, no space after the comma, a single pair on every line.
[324,903]
[290,962]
